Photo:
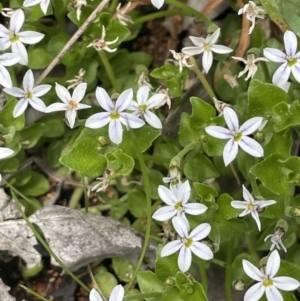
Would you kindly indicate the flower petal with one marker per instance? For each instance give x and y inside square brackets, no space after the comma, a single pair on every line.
[199,42]
[158,3]
[82,106]
[255,292]
[58,106]
[98,120]
[230,151]
[28,3]
[131,121]
[5,152]
[184,192]
[79,92]
[202,251]
[164,213]
[254,214]
[9,59]
[152,120]
[63,93]
[252,271]
[17,21]
[71,117]
[167,196]
[41,90]
[273,264]
[124,100]
[194,208]
[155,100]
[5,79]
[115,131]
[275,55]
[104,100]
[231,119]
[290,43]
[239,204]
[200,232]
[286,283]
[117,293]
[296,72]
[19,49]
[94,296]
[4,42]
[251,125]
[37,104]
[207,60]
[273,294]
[180,226]
[4,32]
[247,195]
[30,37]
[44,6]
[220,49]
[184,259]
[171,247]
[14,91]
[251,147]
[214,37]
[28,81]
[20,107]
[142,95]
[281,75]
[192,50]
[218,132]
[263,204]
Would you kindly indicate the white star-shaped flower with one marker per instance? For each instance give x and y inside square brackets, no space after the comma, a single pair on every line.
[30,95]
[158,3]
[142,106]
[276,239]
[13,38]
[117,294]
[43,3]
[188,244]
[4,153]
[206,46]
[177,201]
[101,44]
[181,58]
[290,60]
[267,283]
[251,206]
[122,16]
[250,67]
[6,60]
[237,135]
[114,115]
[70,104]
[252,12]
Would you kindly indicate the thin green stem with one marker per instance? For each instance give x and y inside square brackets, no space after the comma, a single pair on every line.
[191,12]
[95,283]
[109,71]
[175,161]
[203,80]
[160,14]
[28,290]
[227,272]
[13,76]
[203,274]
[86,197]
[39,237]
[155,159]
[251,248]
[143,296]
[145,175]
[219,262]
[75,197]
[113,6]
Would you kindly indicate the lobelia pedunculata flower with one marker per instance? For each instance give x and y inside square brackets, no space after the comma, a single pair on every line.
[206,46]
[70,104]
[43,4]
[142,106]
[181,59]
[267,283]
[276,239]
[290,59]
[12,37]
[30,95]
[4,153]
[117,294]
[251,206]
[114,115]
[7,60]
[188,244]
[237,135]
[177,200]
[158,3]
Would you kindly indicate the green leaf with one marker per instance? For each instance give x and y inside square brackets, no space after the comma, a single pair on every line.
[171,294]
[137,203]
[207,194]
[148,283]
[225,211]
[54,125]
[202,113]
[119,163]
[123,268]
[262,98]
[193,292]
[36,186]
[186,133]
[38,58]
[286,115]
[276,174]
[85,159]
[31,134]
[106,282]
[6,116]
[291,16]
[206,171]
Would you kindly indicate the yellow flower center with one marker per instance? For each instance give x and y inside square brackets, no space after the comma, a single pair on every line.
[291,60]
[237,136]
[72,105]
[207,46]
[251,206]
[13,37]
[188,242]
[267,281]
[29,95]
[114,114]
[142,108]
[178,206]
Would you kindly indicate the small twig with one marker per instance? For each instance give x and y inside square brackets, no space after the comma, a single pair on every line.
[210,6]
[74,38]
